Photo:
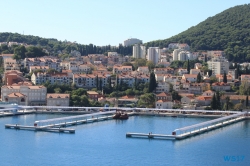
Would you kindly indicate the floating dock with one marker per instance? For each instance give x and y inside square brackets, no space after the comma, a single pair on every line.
[192,130]
[150,135]
[49,129]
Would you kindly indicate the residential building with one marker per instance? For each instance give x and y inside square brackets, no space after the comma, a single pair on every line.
[154,54]
[162,87]
[218,65]
[164,101]
[190,77]
[53,78]
[139,51]
[221,86]
[57,99]
[143,69]
[121,69]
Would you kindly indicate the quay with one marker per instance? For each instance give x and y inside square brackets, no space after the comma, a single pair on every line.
[49,129]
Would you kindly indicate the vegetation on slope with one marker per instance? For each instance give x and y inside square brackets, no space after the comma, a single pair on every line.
[228,31]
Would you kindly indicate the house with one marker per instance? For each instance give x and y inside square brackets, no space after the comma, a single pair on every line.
[208,93]
[190,77]
[57,99]
[117,69]
[143,69]
[164,96]
[203,100]
[182,71]
[162,87]
[53,78]
[221,86]
[235,99]
[93,95]
[164,104]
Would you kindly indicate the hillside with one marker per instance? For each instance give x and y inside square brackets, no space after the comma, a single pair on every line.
[54,46]
[228,31]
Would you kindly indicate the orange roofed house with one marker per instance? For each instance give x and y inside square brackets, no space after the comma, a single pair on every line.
[164,101]
[57,99]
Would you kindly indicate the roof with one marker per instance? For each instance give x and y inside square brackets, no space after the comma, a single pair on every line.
[17,94]
[57,95]
[92,93]
[163,94]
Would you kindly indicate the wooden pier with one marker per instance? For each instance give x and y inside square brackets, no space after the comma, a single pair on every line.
[49,129]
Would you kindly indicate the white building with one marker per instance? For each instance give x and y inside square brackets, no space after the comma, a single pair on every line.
[132,41]
[154,54]
[218,65]
[32,95]
[139,51]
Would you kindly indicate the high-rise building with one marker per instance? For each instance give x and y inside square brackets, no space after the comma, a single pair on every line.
[218,65]
[132,41]
[154,54]
[139,51]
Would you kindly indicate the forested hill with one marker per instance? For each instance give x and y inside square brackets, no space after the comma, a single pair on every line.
[54,46]
[228,31]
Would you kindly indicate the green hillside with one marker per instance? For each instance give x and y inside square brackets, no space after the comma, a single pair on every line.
[228,31]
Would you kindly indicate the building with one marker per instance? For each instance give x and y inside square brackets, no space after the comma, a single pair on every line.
[218,65]
[132,41]
[30,95]
[121,69]
[164,101]
[53,78]
[139,51]
[57,99]
[154,54]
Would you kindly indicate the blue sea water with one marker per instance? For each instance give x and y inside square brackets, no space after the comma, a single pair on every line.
[105,143]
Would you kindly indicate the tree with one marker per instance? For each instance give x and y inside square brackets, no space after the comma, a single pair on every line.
[97,82]
[150,65]
[218,103]
[152,83]
[175,95]
[227,102]
[147,100]
[225,77]
[247,101]
[198,80]
[188,67]
[214,103]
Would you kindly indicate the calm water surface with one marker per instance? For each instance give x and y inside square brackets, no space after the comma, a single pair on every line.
[105,143]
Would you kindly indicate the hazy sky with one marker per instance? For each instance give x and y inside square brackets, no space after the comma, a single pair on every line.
[104,22]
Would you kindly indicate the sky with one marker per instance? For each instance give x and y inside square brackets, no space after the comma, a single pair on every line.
[104,22]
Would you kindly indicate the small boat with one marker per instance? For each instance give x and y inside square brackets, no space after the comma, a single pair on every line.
[124,116]
[117,115]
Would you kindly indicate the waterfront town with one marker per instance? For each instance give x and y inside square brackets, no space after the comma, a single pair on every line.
[167,78]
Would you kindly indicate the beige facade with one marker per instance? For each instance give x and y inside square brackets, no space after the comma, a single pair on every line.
[35,95]
[57,99]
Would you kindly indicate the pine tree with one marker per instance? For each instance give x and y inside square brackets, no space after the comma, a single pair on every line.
[152,83]
[198,80]
[214,103]
[97,82]
[225,78]
[218,104]
[247,101]
[188,67]
[100,85]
